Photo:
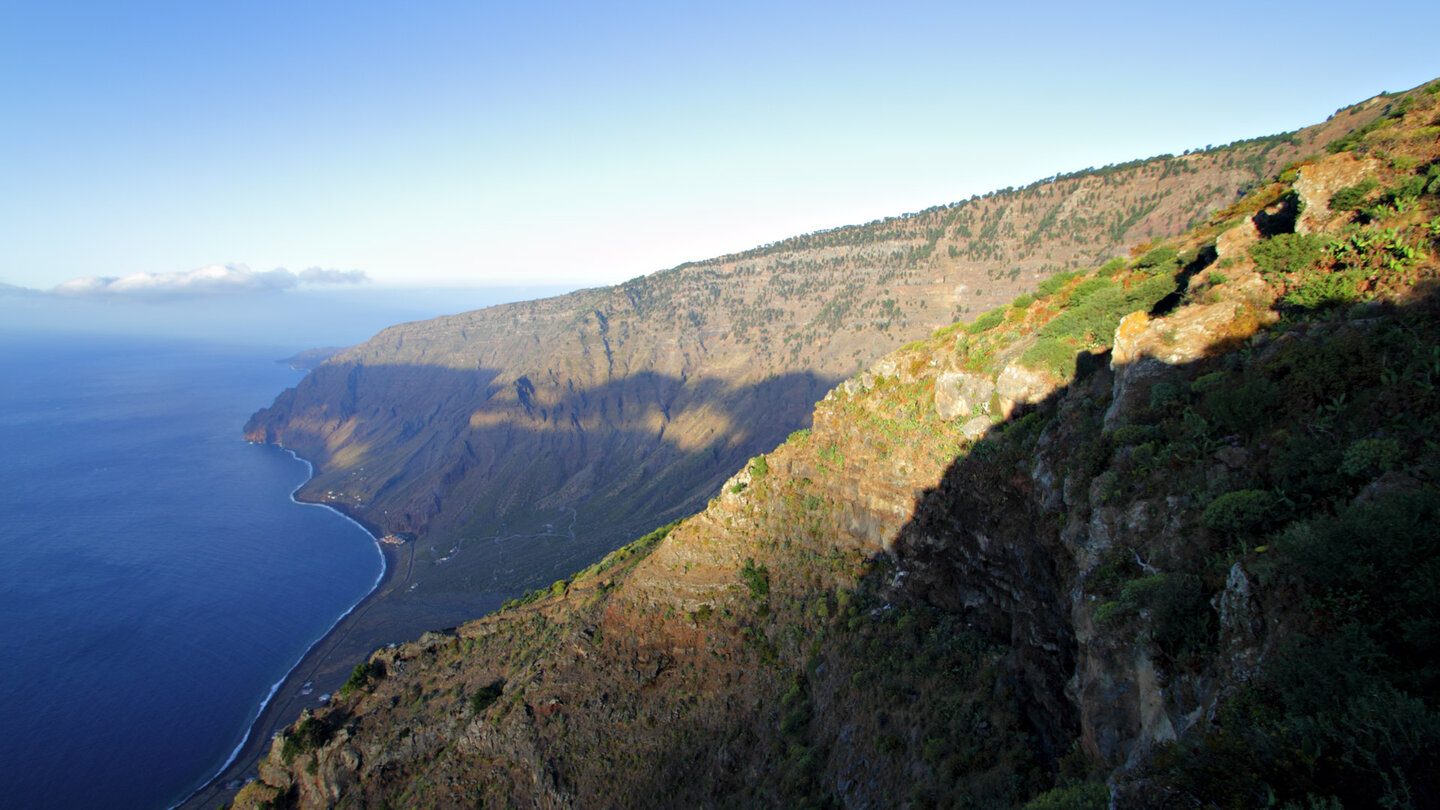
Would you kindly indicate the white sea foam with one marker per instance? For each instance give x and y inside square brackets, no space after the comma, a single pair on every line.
[275,687]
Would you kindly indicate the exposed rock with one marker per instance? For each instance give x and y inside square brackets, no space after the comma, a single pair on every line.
[1146,347]
[977,427]
[1018,384]
[885,367]
[1318,182]
[1126,348]
[1236,242]
[1236,458]
[1241,624]
[959,394]
[1392,481]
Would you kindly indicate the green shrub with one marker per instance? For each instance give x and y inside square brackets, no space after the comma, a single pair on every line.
[1126,435]
[1181,621]
[1343,714]
[757,578]
[1354,139]
[1089,287]
[308,735]
[796,720]
[486,696]
[1306,467]
[986,322]
[1368,457]
[1241,511]
[1286,253]
[361,676]
[1383,559]
[1244,407]
[1159,257]
[1109,614]
[1321,290]
[1052,285]
[1095,308]
[1352,198]
[1022,301]
[1074,797]
[1209,382]
[1163,395]
[1111,267]
[1055,354]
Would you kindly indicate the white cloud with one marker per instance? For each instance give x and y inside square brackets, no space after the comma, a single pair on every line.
[214,279]
[320,275]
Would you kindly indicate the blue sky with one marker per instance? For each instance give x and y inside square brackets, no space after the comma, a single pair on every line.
[574,143]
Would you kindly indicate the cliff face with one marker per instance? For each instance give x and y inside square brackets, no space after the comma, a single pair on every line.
[1159,535]
[632,404]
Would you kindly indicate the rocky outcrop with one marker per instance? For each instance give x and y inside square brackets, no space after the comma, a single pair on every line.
[1317,183]
[1234,243]
[1146,348]
[1018,385]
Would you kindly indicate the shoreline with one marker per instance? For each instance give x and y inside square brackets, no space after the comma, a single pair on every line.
[275,687]
[254,746]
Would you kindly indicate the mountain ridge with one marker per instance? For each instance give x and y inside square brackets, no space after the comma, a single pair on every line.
[807,311]
[1135,539]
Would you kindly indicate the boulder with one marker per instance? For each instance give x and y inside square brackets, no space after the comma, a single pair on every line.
[958,395]
[976,428]
[1018,384]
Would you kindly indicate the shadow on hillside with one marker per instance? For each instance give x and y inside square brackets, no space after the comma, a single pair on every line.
[452,454]
[995,541]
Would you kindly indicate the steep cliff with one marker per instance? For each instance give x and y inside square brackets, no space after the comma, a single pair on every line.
[1161,534]
[631,404]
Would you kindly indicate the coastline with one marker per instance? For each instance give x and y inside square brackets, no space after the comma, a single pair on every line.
[388,614]
[315,667]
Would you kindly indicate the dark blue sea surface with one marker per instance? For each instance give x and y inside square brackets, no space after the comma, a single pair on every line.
[157,580]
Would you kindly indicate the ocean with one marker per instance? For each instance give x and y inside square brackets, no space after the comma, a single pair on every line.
[158,580]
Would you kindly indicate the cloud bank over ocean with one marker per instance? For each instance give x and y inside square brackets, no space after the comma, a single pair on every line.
[213,279]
